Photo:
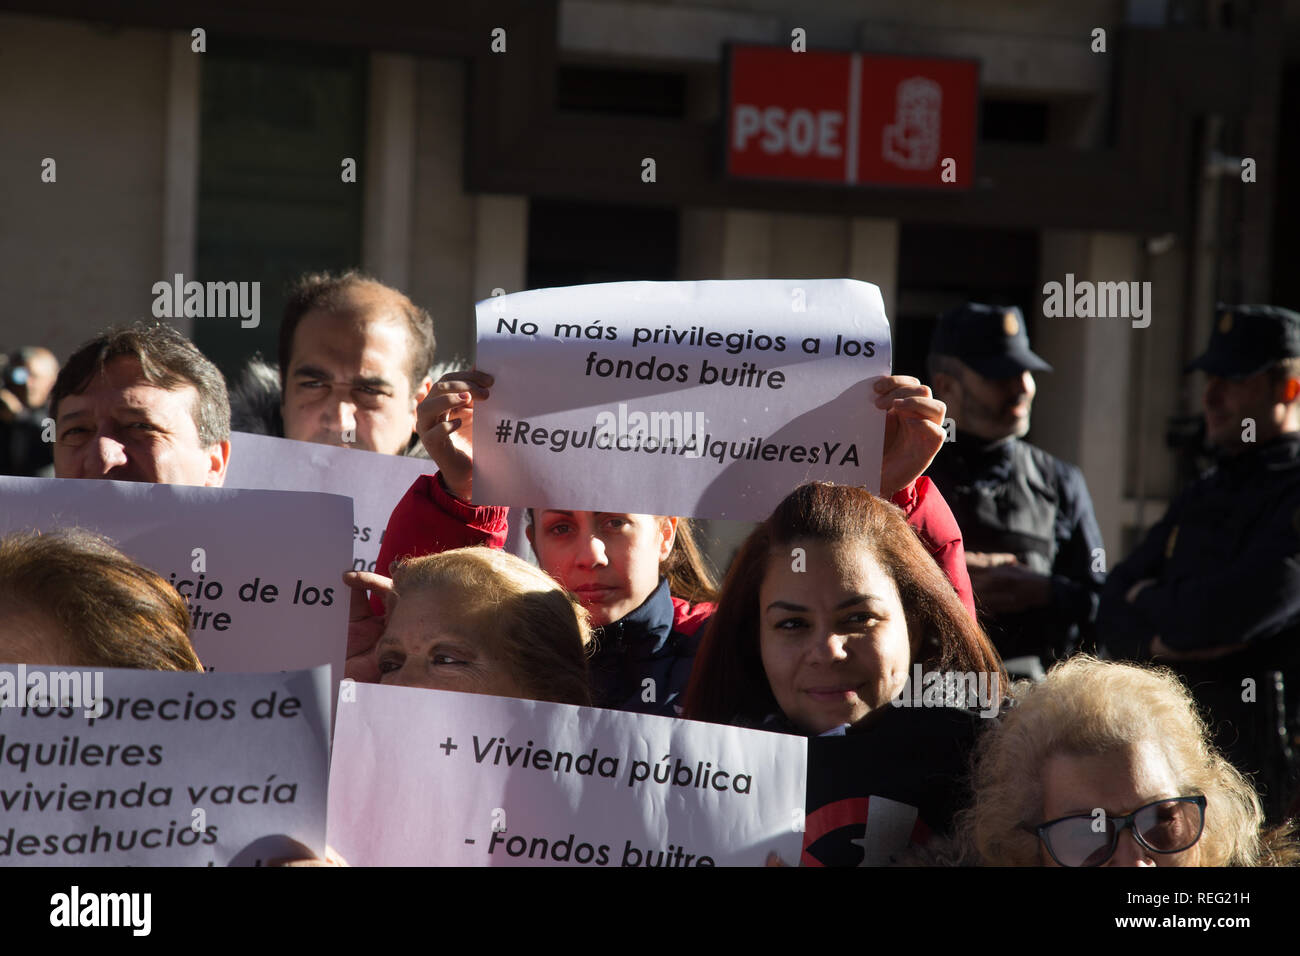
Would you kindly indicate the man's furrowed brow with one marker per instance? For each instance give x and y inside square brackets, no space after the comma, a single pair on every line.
[310,371]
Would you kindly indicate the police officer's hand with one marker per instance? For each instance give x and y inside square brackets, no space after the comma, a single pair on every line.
[913,430]
[1131,594]
[1009,588]
[364,627]
[445,421]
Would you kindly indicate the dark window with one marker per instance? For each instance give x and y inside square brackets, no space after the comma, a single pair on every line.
[1013,121]
[1286,239]
[628,92]
[571,243]
[275,126]
[940,267]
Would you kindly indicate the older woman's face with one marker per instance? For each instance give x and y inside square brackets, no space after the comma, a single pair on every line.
[1118,782]
[832,634]
[430,642]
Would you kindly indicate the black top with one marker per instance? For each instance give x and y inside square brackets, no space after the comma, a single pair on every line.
[1009,496]
[641,646]
[895,778]
[1225,560]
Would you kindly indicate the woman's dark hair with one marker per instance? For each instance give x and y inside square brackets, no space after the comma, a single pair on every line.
[728,683]
[112,611]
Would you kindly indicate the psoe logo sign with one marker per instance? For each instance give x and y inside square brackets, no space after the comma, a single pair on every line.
[912,140]
[208,300]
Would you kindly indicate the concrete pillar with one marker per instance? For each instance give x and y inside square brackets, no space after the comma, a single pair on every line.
[1084,412]
[809,247]
[873,257]
[500,244]
[444,215]
[388,173]
[700,241]
[746,245]
[180,164]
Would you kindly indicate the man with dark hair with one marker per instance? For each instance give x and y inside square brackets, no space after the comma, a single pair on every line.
[141,403]
[1214,588]
[1026,517]
[355,357]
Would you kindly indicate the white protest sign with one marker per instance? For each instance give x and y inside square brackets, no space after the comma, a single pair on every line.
[261,570]
[705,399]
[374,482]
[425,777]
[165,775]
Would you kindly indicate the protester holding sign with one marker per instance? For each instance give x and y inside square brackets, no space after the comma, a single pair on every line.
[484,622]
[70,598]
[638,575]
[831,611]
[1100,747]
[625,576]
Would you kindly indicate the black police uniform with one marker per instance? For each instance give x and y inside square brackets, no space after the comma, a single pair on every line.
[1225,561]
[1010,496]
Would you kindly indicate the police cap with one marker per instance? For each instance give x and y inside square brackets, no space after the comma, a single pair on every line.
[1249,338]
[991,339]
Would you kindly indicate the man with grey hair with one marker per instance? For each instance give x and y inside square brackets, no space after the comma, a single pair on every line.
[141,403]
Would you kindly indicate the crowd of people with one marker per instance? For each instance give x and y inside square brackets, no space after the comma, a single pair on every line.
[979,557]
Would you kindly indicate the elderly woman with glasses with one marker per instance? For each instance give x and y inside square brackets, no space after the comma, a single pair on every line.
[1109,764]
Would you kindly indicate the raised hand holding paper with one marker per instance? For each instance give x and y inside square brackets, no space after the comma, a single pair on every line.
[427,777]
[707,399]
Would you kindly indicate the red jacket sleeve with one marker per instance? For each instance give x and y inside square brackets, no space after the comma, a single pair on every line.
[429,519]
[932,519]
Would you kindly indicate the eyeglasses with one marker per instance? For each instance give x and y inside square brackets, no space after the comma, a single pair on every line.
[1165,826]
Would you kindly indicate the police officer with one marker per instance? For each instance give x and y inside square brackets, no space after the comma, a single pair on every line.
[1214,589]
[1032,541]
